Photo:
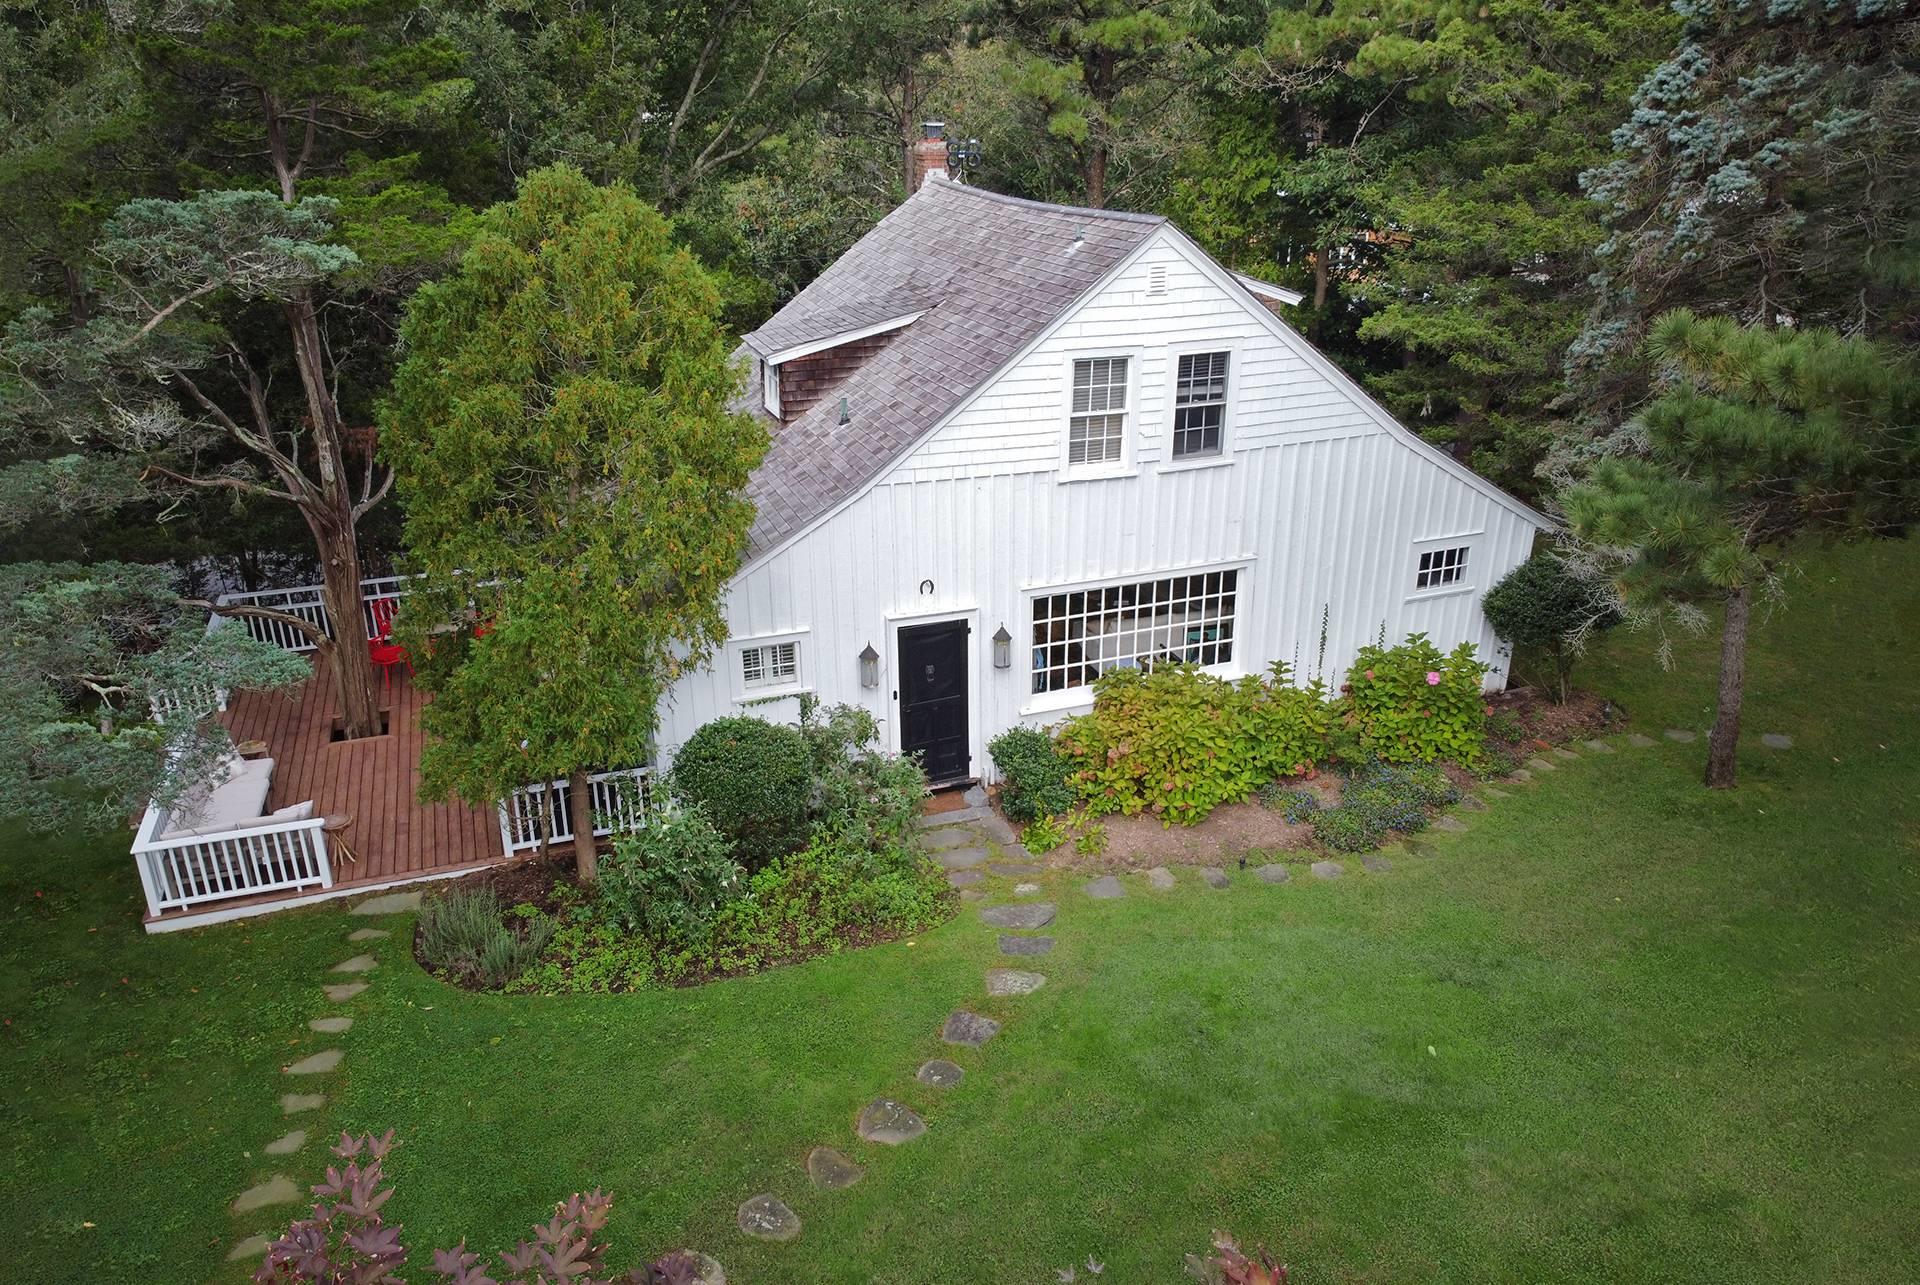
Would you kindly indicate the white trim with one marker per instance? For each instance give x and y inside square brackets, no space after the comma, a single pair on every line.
[770,388]
[1125,466]
[1231,347]
[813,346]
[737,683]
[1471,541]
[1268,290]
[890,683]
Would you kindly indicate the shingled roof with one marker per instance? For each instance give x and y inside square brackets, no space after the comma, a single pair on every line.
[987,273]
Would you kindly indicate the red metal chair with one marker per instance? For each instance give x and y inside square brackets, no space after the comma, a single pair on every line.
[381,649]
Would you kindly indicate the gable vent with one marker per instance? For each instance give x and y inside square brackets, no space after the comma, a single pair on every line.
[1157,279]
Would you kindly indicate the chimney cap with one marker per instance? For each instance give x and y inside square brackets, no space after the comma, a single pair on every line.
[934,129]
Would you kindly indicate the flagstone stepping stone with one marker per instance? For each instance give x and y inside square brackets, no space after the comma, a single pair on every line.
[1682,735]
[888,1122]
[1274,873]
[1011,945]
[287,1143]
[1327,869]
[972,894]
[961,858]
[957,836]
[1037,914]
[344,991]
[1520,774]
[968,1029]
[939,1072]
[766,1217]
[1014,852]
[1160,878]
[832,1171]
[1566,755]
[1638,741]
[995,828]
[1214,878]
[1015,869]
[708,1271]
[358,964]
[1495,792]
[391,903]
[1025,889]
[1539,764]
[963,816]
[1472,803]
[974,797]
[1105,888]
[295,1103]
[251,1247]
[277,1190]
[1598,747]
[1011,981]
[330,1025]
[1776,740]
[1452,825]
[965,878]
[1377,864]
[368,934]
[319,1063]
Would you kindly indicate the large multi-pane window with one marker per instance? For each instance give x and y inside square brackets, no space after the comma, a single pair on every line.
[1199,405]
[1097,428]
[1188,619]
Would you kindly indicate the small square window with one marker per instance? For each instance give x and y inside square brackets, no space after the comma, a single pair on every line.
[1097,426]
[1441,567]
[1199,405]
[770,665]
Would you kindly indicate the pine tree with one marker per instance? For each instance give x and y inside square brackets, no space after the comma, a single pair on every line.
[1761,439]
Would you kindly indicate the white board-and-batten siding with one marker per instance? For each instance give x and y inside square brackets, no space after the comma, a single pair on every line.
[1321,506]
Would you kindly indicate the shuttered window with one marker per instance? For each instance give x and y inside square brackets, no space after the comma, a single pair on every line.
[1199,405]
[772,665]
[1097,428]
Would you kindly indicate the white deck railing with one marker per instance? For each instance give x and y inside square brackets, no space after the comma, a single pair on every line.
[621,801]
[188,871]
[309,604]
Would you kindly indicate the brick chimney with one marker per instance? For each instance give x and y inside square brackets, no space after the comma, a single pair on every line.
[929,155]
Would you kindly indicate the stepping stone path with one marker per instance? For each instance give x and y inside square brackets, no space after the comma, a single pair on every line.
[277,1190]
[286,1144]
[331,1025]
[969,1030]
[951,837]
[1036,914]
[766,1217]
[1274,873]
[939,1072]
[965,878]
[1105,888]
[317,1063]
[1214,878]
[1639,742]
[368,934]
[1015,869]
[1563,753]
[1598,747]
[1327,869]
[888,1122]
[251,1247]
[1011,981]
[1452,825]
[1472,803]
[1160,878]
[295,1103]
[832,1171]
[1520,774]
[1539,764]
[1682,735]
[344,991]
[1375,863]
[972,894]
[961,858]
[1025,945]
[358,964]
[1776,740]
[1495,792]
[1025,889]
[392,903]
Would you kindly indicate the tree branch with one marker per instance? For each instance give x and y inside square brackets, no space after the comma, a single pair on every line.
[301,624]
[240,484]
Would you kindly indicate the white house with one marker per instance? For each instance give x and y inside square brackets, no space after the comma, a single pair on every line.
[1017,444]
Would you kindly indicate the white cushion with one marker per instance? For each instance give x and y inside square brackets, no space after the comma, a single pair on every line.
[241,796]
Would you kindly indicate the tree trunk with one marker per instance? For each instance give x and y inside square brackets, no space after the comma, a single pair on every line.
[586,849]
[348,659]
[1724,742]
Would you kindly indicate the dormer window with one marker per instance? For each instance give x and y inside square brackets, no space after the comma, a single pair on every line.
[1097,423]
[770,388]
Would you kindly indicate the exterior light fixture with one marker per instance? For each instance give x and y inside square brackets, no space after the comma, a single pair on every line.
[1002,648]
[869,666]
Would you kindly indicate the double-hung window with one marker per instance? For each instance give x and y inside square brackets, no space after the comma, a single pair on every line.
[1441,568]
[1185,619]
[770,665]
[1199,405]
[1097,426]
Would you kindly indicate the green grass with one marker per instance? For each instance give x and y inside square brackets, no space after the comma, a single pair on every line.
[1622,1029]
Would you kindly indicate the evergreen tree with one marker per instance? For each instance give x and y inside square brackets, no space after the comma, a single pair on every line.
[573,479]
[1762,438]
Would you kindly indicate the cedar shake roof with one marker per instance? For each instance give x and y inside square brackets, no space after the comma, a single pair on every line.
[990,272]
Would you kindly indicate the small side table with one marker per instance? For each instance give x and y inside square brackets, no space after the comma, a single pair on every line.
[335,827]
[251,749]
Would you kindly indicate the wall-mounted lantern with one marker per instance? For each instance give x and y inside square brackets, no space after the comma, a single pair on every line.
[1002,648]
[869,666]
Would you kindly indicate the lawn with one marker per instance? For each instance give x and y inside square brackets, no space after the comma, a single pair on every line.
[1620,1029]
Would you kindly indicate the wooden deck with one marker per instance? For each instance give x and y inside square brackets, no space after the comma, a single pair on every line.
[376,781]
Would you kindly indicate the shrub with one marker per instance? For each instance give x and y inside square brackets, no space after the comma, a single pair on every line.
[833,737]
[669,878]
[463,934]
[1380,799]
[1092,839]
[866,804]
[1179,742]
[1410,704]
[1042,835]
[348,1239]
[754,781]
[1543,605]
[1033,776]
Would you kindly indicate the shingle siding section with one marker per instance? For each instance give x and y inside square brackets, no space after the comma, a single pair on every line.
[991,272]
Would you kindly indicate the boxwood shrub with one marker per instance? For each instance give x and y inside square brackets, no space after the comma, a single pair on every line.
[1033,776]
[753,780]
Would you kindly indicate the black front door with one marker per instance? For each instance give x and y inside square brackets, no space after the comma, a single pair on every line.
[933,699]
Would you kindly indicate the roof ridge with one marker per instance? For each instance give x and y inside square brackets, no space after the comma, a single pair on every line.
[954,185]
